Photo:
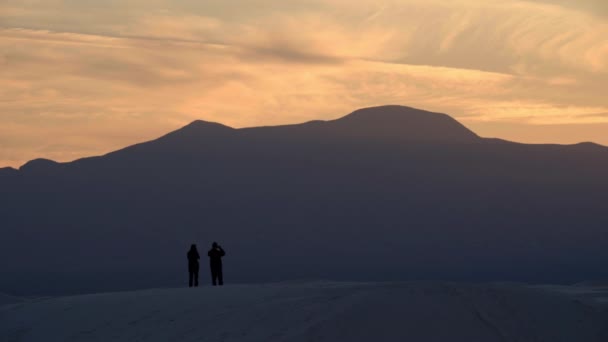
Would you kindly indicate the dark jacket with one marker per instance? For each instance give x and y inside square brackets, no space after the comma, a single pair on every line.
[193,257]
[215,256]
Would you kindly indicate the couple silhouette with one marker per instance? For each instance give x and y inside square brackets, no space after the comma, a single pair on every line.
[215,255]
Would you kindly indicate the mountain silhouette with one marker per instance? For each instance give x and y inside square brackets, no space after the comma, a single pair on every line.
[386,123]
[8,171]
[401,123]
[384,193]
[39,166]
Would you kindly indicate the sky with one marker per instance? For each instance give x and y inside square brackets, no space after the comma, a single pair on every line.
[85,77]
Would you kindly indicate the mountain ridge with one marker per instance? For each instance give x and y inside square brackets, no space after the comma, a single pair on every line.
[388,122]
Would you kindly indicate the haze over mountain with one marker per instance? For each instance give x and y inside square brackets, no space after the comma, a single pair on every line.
[385,193]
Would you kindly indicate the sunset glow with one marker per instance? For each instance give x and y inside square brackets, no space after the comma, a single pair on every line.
[81,78]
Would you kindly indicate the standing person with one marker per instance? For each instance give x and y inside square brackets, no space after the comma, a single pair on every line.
[193,265]
[215,261]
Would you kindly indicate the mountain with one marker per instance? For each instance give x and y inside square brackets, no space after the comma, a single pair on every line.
[387,123]
[7,171]
[386,193]
[312,311]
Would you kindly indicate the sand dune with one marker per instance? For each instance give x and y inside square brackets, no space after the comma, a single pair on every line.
[320,312]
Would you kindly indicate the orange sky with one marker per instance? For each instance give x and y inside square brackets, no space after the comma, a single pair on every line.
[84,77]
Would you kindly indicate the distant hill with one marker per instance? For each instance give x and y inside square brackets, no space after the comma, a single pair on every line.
[7,171]
[385,193]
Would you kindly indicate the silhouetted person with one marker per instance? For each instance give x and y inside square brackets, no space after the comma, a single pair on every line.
[215,261]
[193,265]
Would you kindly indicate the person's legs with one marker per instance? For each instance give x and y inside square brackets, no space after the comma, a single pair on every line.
[196,277]
[220,276]
[213,276]
[191,274]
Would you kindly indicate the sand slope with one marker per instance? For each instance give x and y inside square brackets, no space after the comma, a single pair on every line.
[321,311]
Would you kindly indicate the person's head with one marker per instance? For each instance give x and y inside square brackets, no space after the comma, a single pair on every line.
[193,247]
[214,245]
